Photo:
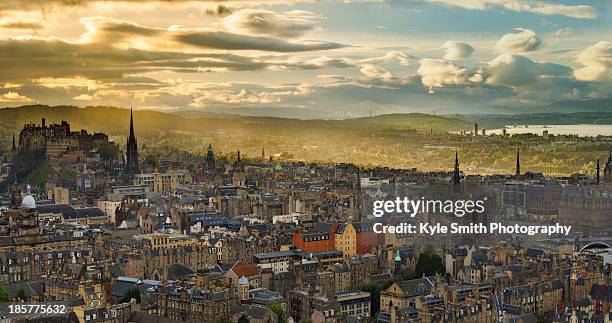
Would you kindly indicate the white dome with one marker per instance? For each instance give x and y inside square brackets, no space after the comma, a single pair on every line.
[243,281]
[28,202]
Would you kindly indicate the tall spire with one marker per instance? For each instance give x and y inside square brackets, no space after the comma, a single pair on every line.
[518,162]
[14,148]
[131,166]
[456,173]
[131,123]
[263,153]
[456,161]
[598,171]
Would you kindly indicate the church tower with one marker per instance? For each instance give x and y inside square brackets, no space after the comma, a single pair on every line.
[238,163]
[210,157]
[131,166]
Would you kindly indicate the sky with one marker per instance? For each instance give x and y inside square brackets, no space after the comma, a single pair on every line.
[306,58]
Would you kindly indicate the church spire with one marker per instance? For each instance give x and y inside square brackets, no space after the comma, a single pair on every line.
[518,162]
[131,123]
[598,171]
[456,173]
[131,166]
[263,153]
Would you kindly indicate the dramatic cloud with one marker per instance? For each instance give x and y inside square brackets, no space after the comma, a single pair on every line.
[524,40]
[457,50]
[596,62]
[227,41]
[389,57]
[288,24]
[14,97]
[437,73]
[107,30]
[520,71]
[24,59]
[373,71]
[267,94]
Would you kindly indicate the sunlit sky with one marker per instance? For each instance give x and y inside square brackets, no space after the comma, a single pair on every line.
[333,57]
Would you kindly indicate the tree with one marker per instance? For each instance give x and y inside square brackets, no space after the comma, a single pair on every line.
[21,294]
[540,318]
[131,293]
[429,264]
[4,296]
[280,312]
[151,161]
[374,291]
[408,275]
[243,319]
[108,151]
[223,319]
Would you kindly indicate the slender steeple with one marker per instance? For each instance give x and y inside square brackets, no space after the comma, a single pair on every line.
[131,123]
[518,162]
[456,173]
[263,153]
[131,166]
[598,171]
[14,148]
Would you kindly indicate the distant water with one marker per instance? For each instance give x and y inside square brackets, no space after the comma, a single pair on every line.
[582,130]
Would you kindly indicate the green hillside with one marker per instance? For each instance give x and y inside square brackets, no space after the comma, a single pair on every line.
[416,121]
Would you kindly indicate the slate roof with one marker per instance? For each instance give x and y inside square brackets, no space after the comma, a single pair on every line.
[417,287]
[69,212]
[179,272]
[534,253]
[255,312]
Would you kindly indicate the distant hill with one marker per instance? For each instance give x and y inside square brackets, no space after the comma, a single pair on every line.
[576,106]
[393,140]
[416,121]
[115,120]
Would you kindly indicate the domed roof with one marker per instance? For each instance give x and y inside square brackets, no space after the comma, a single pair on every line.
[243,281]
[28,201]
[398,258]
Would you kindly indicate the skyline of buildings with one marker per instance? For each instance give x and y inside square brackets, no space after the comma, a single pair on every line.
[261,239]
